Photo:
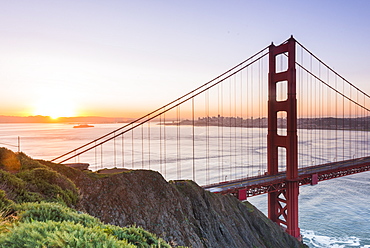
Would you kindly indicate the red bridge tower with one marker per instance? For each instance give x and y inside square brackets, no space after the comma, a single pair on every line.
[283,204]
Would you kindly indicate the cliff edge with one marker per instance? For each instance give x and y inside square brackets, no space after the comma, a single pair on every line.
[180,212]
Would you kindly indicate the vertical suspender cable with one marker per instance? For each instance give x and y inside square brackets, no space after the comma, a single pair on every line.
[178,142]
[241,127]
[328,112]
[164,144]
[123,152]
[218,133]
[193,131]
[357,127]
[249,164]
[317,103]
[320,114]
[230,130]
[160,143]
[149,143]
[114,145]
[350,124]
[252,115]
[222,132]
[96,160]
[132,148]
[235,116]
[207,138]
[336,121]
[101,156]
[142,146]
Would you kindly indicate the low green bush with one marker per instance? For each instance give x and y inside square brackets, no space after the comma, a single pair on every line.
[16,188]
[54,212]
[137,236]
[50,184]
[45,211]
[59,235]
[6,210]
[4,201]
[28,163]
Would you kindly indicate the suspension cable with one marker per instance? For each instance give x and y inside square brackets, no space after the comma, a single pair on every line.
[174,101]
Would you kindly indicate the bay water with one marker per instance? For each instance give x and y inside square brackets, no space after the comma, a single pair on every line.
[334,213]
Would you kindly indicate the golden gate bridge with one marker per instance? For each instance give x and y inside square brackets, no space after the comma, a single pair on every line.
[276,121]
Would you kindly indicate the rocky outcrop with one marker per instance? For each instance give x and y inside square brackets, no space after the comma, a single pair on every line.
[180,212]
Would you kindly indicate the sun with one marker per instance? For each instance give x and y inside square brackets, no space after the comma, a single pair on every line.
[55,108]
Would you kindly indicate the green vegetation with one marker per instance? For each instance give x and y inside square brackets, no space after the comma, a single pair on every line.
[48,224]
[58,234]
[35,210]
[45,211]
[34,182]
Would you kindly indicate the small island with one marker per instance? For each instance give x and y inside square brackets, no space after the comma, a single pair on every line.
[83,126]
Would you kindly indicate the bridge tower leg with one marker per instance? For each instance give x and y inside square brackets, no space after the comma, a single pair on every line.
[283,204]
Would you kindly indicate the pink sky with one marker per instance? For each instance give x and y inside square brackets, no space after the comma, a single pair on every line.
[125,58]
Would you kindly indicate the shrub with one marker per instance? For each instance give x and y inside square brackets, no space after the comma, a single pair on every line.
[28,163]
[59,235]
[6,210]
[4,202]
[137,236]
[16,188]
[69,172]
[46,211]
[50,184]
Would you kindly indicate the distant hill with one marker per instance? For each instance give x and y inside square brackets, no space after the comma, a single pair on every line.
[48,119]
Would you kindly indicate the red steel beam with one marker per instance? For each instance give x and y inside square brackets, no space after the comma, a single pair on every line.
[278,184]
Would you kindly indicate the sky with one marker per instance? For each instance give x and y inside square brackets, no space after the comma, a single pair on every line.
[125,58]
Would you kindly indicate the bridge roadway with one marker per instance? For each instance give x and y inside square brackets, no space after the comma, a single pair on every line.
[252,186]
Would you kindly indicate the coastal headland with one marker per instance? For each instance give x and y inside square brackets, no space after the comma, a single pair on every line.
[179,212]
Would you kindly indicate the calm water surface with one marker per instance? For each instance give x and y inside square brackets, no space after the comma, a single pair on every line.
[334,213]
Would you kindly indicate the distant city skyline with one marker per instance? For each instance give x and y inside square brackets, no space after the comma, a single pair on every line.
[124,58]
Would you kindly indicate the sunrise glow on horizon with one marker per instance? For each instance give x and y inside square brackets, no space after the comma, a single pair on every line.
[55,109]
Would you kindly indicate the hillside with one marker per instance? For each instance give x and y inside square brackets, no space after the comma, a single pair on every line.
[36,210]
[180,212]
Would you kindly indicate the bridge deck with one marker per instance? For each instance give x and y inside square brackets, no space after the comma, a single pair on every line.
[309,175]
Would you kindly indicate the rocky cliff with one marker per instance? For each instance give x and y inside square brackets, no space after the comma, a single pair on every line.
[180,212]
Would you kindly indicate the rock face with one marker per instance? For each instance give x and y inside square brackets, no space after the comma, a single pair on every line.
[180,212]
